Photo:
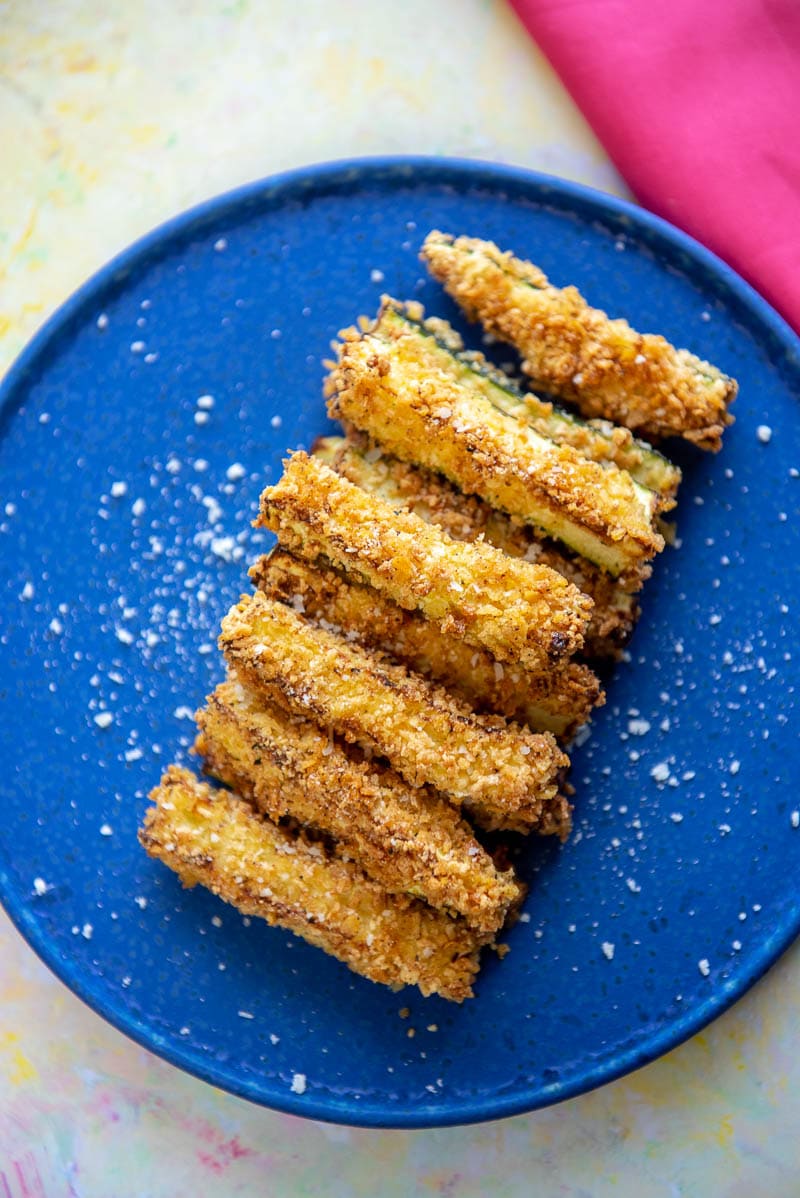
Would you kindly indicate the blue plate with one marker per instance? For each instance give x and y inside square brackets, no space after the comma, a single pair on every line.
[137,431]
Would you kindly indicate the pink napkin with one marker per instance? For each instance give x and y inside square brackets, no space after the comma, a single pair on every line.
[698,106]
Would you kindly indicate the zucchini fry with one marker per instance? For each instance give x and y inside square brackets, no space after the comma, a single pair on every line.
[426,734]
[409,840]
[429,418]
[556,701]
[437,343]
[521,613]
[576,352]
[467,518]
[214,838]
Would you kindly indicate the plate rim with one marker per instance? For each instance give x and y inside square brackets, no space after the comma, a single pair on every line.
[469,172]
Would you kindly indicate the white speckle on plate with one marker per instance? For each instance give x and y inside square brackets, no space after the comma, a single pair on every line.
[376,276]
[106,830]
[201,417]
[660,772]
[794,819]
[137,347]
[102,321]
[608,950]
[247,1015]
[86,931]
[276,421]
[704,967]
[298,1083]
[103,719]
[205,402]
[118,489]
[221,244]
[235,471]
[40,886]
[764,434]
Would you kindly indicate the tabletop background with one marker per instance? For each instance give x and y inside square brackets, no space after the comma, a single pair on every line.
[113,118]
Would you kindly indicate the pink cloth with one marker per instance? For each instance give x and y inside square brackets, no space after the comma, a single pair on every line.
[697,103]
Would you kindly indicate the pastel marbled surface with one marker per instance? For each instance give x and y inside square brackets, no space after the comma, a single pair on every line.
[111,121]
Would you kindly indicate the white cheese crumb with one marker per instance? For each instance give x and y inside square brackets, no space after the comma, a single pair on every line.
[223,547]
[660,772]
[118,489]
[86,931]
[298,1083]
[102,321]
[40,886]
[276,421]
[216,921]
[27,592]
[764,434]
[103,719]
[106,830]
[734,767]
[235,471]
[138,507]
[133,754]
[273,1039]
[704,967]
[639,360]
[206,402]
[221,244]
[137,347]
[638,727]
[201,417]
[632,885]
[124,636]
[736,945]
[376,276]
[141,901]
[608,950]
[246,1015]
[676,817]
[56,627]
[183,713]
[795,819]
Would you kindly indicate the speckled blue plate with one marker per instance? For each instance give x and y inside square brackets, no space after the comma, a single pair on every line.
[137,432]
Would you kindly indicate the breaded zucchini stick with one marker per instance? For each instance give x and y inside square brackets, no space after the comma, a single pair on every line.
[521,613]
[431,419]
[576,352]
[426,734]
[556,701]
[215,838]
[436,343]
[409,840]
[467,518]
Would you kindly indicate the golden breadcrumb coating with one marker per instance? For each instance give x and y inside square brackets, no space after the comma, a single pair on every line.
[557,700]
[425,733]
[467,518]
[214,838]
[576,352]
[409,840]
[437,344]
[430,419]
[521,613]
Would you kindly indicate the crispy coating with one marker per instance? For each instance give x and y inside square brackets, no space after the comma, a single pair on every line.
[521,613]
[426,734]
[556,701]
[427,417]
[576,352]
[467,518]
[437,344]
[409,840]
[214,838]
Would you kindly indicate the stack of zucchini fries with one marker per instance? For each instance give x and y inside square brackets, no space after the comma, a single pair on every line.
[419,647]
